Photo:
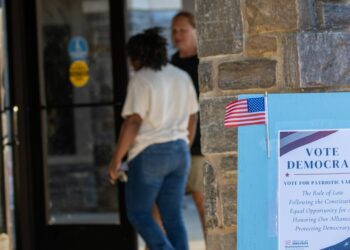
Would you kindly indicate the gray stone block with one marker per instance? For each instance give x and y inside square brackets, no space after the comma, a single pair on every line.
[336,15]
[307,14]
[271,15]
[247,74]
[229,205]
[211,196]
[228,163]
[219,27]
[226,166]
[290,60]
[324,58]
[215,138]
[205,77]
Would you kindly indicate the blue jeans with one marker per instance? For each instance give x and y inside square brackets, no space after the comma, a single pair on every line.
[158,175]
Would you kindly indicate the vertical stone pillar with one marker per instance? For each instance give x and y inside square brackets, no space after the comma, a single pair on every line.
[253,46]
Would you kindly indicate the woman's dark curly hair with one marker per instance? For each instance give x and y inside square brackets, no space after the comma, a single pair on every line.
[149,48]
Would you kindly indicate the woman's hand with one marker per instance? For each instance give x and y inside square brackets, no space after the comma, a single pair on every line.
[113,170]
[128,132]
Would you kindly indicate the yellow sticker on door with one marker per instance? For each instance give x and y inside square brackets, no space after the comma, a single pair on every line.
[79,73]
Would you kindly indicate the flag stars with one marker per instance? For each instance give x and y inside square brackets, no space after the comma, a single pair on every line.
[256,104]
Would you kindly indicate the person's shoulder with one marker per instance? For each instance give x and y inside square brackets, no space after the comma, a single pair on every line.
[186,63]
[175,57]
[140,76]
[195,58]
[147,72]
[136,75]
[174,69]
[177,73]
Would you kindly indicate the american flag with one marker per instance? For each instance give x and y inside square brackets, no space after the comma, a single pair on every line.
[245,112]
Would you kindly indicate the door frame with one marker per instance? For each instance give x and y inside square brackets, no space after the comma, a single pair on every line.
[32,230]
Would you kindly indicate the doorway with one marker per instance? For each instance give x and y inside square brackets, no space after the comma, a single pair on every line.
[68,75]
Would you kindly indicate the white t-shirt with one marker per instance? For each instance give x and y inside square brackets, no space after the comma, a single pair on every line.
[164,100]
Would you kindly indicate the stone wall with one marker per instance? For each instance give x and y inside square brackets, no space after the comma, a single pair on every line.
[253,46]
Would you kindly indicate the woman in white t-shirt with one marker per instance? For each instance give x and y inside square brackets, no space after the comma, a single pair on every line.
[160,123]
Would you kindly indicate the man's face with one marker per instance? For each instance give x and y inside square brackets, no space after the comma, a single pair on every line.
[183,34]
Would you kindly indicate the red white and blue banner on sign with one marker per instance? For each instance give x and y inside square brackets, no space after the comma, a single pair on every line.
[294,139]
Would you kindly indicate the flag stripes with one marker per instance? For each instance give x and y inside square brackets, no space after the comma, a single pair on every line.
[245,112]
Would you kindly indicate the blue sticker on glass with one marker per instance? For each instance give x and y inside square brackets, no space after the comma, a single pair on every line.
[78,48]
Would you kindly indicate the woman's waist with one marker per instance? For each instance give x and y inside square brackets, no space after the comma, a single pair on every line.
[159,146]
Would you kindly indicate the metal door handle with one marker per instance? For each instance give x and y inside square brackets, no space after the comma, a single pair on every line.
[11,138]
[15,140]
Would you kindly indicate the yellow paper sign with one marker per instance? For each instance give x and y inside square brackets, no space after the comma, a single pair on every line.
[79,73]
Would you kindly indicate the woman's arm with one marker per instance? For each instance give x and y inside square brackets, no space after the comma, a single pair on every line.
[192,127]
[128,132]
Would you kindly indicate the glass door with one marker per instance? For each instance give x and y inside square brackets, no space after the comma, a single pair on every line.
[81,94]
[77,111]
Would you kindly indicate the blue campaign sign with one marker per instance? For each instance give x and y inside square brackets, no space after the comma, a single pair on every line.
[78,48]
[258,175]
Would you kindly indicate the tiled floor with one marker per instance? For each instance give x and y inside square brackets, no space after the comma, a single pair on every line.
[193,226]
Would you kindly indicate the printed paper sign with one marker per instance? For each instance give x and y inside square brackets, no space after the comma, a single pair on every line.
[314,190]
